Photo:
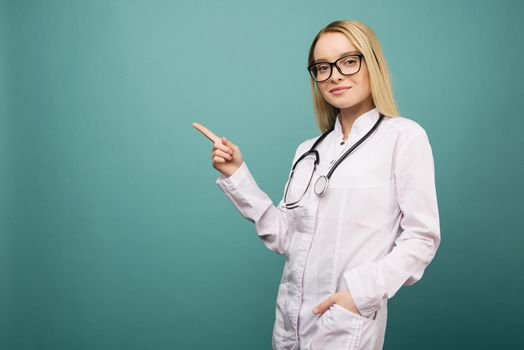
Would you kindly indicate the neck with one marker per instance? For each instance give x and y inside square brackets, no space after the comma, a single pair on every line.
[350,114]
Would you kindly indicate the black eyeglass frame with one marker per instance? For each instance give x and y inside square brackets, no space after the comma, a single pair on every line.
[331,64]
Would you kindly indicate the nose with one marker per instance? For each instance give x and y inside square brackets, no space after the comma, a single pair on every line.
[335,74]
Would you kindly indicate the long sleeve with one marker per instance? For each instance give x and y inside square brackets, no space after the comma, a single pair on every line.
[271,223]
[419,236]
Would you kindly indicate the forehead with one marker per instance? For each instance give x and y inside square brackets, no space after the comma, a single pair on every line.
[330,46]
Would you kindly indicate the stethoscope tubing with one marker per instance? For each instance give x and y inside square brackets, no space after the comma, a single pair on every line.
[362,139]
[321,183]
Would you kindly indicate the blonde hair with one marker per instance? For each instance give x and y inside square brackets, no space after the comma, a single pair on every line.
[366,41]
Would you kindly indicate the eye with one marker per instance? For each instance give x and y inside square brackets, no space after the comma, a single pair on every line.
[349,61]
[322,67]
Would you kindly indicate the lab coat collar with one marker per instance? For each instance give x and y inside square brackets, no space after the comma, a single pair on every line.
[361,125]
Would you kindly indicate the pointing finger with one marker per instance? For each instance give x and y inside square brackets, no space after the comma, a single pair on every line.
[206,132]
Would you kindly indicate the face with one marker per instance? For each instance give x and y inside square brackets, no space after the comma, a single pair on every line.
[330,47]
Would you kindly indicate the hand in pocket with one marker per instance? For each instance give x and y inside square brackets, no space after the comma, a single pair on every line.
[342,298]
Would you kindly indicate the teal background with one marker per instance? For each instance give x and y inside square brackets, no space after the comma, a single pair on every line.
[113,232]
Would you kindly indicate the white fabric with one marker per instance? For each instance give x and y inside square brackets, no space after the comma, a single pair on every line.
[375,229]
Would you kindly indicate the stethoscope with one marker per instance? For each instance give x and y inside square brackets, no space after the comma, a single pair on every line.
[322,182]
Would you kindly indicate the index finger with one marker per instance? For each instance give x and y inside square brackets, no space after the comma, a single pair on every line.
[207,133]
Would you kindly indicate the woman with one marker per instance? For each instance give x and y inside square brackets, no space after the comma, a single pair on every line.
[353,238]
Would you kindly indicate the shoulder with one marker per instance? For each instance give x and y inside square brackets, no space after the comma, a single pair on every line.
[304,146]
[406,129]
[405,126]
[411,140]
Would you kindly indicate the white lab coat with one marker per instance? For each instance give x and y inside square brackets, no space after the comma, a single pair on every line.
[375,229]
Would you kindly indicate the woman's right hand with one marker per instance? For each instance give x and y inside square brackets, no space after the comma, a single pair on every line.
[225,156]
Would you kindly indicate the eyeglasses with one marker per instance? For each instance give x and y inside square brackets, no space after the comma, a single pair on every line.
[347,65]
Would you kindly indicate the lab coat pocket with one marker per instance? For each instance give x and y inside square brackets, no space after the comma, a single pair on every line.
[339,329]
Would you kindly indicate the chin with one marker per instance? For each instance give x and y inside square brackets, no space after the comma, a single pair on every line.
[344,105]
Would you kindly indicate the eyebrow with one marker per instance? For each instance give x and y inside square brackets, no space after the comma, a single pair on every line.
[341,55]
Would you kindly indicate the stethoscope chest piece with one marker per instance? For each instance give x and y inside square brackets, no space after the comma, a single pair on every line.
[321,185]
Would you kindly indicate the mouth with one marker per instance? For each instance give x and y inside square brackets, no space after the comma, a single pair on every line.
[339,90]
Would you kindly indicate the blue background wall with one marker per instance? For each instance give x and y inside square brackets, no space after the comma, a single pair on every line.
[114,233]
[5,177]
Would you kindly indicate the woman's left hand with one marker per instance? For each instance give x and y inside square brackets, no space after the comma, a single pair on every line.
[342,298]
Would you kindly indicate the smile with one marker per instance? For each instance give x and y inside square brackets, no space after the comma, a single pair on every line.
[340,91]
